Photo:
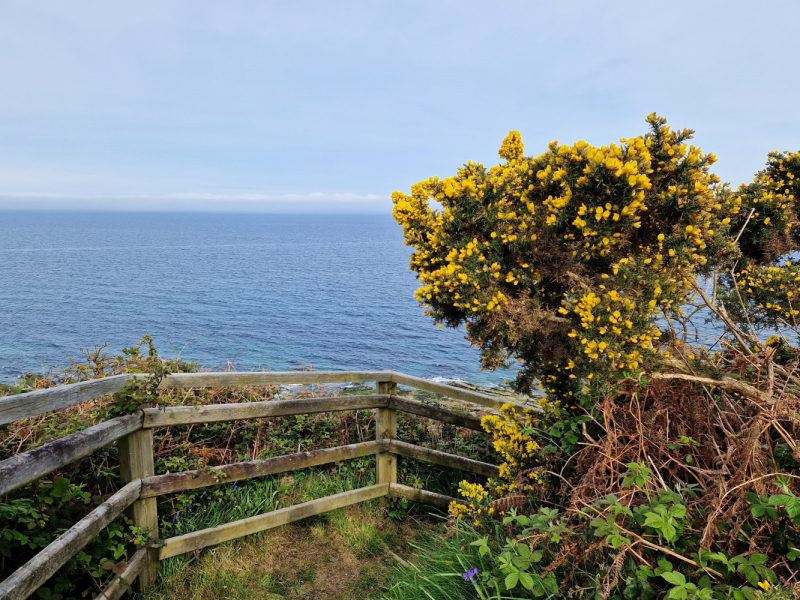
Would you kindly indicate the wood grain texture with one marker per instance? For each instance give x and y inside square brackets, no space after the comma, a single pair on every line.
[443,458]
[188,480]
[186,415]
[204,380]
[434,412]
[386,429]
[230,531]
[122,583]
[449,391]
[25,580]
[422,496]
[30,404]
[453,392]
[136,463]
[29,466]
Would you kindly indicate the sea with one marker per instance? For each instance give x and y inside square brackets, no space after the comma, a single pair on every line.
[250,292]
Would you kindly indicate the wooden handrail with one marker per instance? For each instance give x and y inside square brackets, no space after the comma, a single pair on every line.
[30,404]
[454,392]
[443,458]
[29,466]
[436,413]
[189,480]
[210,413]
[258,379]
[121,583]
[25,580]
[422,496]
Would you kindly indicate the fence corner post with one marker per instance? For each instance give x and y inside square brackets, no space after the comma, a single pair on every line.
[386,428]
[136,462]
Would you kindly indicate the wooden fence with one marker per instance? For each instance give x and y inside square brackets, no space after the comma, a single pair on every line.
[134,436]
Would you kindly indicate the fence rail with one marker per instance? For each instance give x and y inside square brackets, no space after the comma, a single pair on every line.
[134,436]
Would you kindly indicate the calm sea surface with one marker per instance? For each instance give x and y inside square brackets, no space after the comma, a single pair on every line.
[263,291]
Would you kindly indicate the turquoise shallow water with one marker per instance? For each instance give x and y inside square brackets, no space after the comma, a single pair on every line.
[263,291]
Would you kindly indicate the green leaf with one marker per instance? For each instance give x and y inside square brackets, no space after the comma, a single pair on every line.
[678,592]
[780,499]
[678,511]
[521,563]
[749,573]
[663,566]
[60,487]
[653,520]
[511,581]
[674,578]
[550,584]
[526,580]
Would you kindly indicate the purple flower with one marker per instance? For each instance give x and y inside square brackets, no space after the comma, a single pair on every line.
[469,575]
[204,494]
[235,487]
[175,518]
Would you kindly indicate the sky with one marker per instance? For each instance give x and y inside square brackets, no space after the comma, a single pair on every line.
[330,106]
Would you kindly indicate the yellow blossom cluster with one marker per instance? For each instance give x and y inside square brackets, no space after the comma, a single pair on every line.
[766,215]
[476,498]
[519,451]
[511,435]
[512,146]
[772,292]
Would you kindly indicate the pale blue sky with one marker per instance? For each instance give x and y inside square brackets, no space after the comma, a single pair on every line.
[330,106]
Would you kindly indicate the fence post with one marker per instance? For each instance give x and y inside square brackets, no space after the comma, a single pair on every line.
[386,428]
[136,462]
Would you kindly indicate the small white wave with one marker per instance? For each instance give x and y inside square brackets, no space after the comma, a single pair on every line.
[440,379]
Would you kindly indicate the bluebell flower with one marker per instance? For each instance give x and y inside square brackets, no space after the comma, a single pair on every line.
[470,575]
[235,487]
[175,518]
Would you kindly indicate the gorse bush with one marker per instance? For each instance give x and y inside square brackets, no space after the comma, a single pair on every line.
[568,262]
[661,463]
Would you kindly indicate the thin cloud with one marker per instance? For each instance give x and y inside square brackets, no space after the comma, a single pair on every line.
[314,197]
[192,201]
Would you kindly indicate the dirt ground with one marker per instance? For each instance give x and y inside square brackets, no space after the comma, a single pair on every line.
[340,556]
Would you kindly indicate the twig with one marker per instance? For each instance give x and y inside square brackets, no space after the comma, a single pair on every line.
[736,241]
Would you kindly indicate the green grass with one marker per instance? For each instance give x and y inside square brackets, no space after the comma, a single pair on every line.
[437,567]
[340,555]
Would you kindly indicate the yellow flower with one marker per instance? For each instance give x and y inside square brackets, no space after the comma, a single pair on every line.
[512,146]
[764,585]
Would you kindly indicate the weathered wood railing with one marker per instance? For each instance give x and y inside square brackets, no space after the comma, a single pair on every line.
[134,435]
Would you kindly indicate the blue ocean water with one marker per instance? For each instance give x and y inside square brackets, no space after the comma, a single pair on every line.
[263,291]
